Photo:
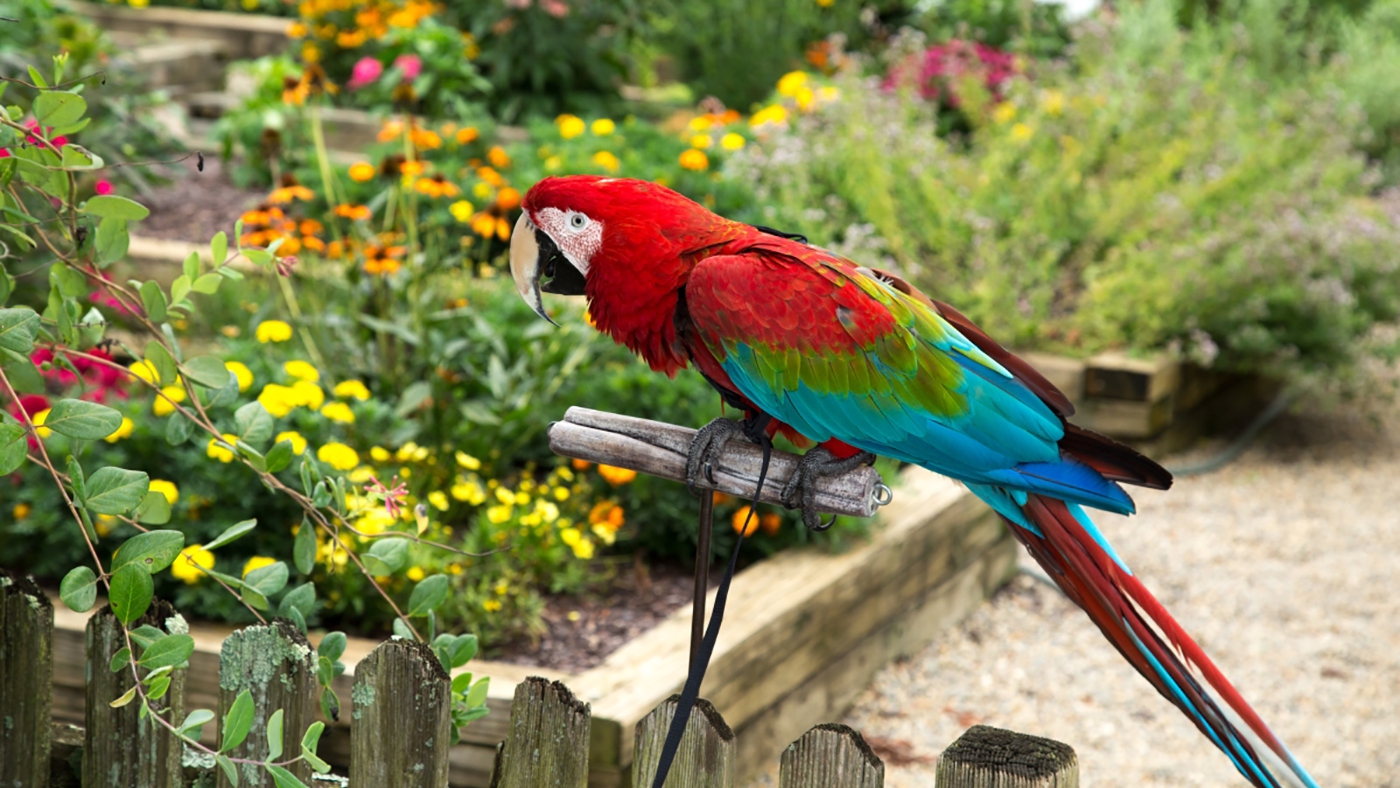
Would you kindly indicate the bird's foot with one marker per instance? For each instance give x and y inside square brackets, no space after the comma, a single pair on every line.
[706,448]
[801,489]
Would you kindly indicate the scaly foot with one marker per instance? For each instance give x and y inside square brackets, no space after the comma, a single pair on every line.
[801,489]
[709,442]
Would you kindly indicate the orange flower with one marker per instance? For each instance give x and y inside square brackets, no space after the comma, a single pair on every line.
[467,135]
[741,522]
[353,212]
[361,171]
[498,157]
[490,176]
[484,224]
[580,465]
[436,186]
[310,227]
[425,139]
[288,193]
[770,523]
[508,199]
[693,159]
[412,168]
[616,476]
[390,131]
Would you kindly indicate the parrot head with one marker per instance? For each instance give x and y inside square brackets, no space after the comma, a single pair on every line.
[626,245]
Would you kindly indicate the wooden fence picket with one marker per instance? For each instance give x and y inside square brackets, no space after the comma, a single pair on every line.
[120,748]
[26,682]
[831,755]
[705,759]
[987,757]
[278,666]
[547,746]
[402,710]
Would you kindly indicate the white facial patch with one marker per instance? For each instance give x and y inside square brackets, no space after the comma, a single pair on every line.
[577,235]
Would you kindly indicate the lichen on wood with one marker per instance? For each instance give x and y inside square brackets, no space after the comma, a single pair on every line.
[26,678]
[987,757]
[705,757]
[547,746]
[401,732]
[831,754]
[277,665]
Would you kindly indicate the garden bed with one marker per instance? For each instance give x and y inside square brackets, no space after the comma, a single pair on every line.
[804,633]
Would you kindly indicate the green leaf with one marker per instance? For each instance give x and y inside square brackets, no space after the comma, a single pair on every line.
[253,423]
[267,580]
[253,598]
[207,371]
[224,396]
[179,289]
[237,721]
[18,327]
[120,659]
[294,615]
[430,592]
[412,398]
[58,108]
[36,78]
[279,456]
[76,479]
[386,556]
[232,532]
[131,592]
[126,698]
[477,695]
[69,282]
[304,548]
[274,736]
[283,778]
[154,509]
[330,704]
[110,206]
[163,362]
[78,589]
[171,650]
[178,429]
[309,741]
[146,634]
[302,598]
[195,721]
[85,420]
[463,650]
[158,688]
[461,683]
[402,630]
[23,375]
[151,551]
[325,671]
[191,266]
[14,448]
[332,646]
[116,491]
[321,496]
[153,298]
[113,240]
[219,248]
[230,771]
[207,284]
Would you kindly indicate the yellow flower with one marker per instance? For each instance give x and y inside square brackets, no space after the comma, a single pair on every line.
[104,523]
[616,476]
[294,438]
[501,588]
[461,211]
[257,562]
[743,522]
[415,573]
[491,605]
[361,474]
[339,411]
[467,461]
[278,400]
[606,160]
[603,127]
[791,83]
[189,558]
[700,123]
[553,163]
[168,489]
[240,371]
[498,514]
[1053,102]
[310,52]
[273,331]
[338,456]
[773,114]
[732,141]
[379,454]
[146,371]
[21,511]
[361,171]
[219,451]
[693,159]
[348,389]
[309,394]
[438,499]
[301,370]
[1005,112]
[122,431]
[139,3]
[570,126]
[164,406]
[1021,132]
[561,493]
[583,550]
[570,536]
[296,30]
[701,141]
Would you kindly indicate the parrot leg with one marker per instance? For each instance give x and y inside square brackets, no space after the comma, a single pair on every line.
[801,489]
[709,443]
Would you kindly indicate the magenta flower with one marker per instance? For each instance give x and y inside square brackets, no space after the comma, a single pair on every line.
[103,187]
[410,65]
[392,496]
[937,71]
[367,70]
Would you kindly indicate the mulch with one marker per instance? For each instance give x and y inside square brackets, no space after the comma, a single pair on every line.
[639,598]
[194,205]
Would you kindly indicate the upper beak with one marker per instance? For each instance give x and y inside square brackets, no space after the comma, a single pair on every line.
[538,267]
[525,265]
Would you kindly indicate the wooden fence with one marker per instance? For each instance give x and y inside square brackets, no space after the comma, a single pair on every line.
[399,722]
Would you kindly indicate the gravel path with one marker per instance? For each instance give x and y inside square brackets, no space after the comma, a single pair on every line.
[1283,566]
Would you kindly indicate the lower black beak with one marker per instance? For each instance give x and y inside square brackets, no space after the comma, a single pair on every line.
[555,273]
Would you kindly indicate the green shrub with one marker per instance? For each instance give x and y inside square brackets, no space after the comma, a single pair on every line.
[1152,195]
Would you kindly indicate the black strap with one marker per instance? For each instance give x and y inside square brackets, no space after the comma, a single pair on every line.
[691,692]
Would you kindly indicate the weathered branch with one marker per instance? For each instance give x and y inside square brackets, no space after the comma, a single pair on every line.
[660,449]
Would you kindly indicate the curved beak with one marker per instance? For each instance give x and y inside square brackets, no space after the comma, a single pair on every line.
[539,267]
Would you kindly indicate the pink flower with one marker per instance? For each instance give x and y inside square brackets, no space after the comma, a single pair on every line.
[937,71]
[518,4]
[410,65]
[103,187]
[555,8]
[4,153]
[366,71]
[391,494]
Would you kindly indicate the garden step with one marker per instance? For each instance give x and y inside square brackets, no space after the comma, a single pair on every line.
[243,36]
[181,65]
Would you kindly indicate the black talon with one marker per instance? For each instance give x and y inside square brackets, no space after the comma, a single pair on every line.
[801,489]
[709,444]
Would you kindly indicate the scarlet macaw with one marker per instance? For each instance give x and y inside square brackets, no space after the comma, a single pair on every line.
[860,363]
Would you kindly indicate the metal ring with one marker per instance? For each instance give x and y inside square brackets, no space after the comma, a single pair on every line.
[882,494]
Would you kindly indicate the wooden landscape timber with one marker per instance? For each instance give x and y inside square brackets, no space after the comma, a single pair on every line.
[239,36]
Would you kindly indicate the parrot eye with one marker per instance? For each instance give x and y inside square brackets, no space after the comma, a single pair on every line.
[578,221]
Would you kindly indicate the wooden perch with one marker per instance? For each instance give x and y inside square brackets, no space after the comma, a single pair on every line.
[660,449]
